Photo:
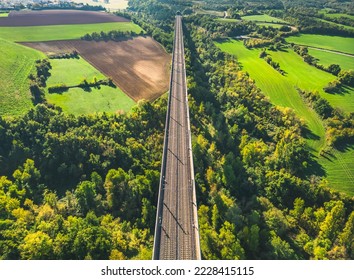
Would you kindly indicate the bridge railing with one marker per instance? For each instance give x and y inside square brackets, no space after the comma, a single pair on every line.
[191,165]
[157,237]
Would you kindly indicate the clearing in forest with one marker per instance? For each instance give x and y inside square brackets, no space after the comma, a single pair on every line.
[263,18]
[76,100]
[138,66]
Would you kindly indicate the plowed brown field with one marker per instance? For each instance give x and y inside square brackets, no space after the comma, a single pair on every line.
[139,66]
[57,17]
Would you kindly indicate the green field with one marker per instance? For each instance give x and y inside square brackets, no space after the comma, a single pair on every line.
[72,71]
[16,63]
[339,168]
[228,20]
[61,32]
[308,77]
[337,24]
[336,43]
[281,91]
[76,100]
[106,99]
[263,18]
[326,58]
[209,12]
[337,15]
[4,14]
[274,25]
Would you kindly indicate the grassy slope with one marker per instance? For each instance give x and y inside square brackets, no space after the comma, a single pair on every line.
[326,58]
[308,77]
[339,168]
[336,43]
[61,32]
[281,91]
[336,24]
[16,63]
[78,101]
[280,88]
[263,18]
[274,25]
[338,15]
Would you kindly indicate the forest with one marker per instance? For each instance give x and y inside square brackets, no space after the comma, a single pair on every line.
[85,187]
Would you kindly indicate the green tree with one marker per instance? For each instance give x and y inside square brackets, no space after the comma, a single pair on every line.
[36,246]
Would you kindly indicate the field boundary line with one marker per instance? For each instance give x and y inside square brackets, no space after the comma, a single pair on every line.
[327,50]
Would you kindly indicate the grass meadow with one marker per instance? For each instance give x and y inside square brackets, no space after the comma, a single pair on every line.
[16,63]
[335,43]
[339,169]
[337,15]
[263,18]
[105,99]
[281,91]
[327,58]
[78,101]
[72,71]
[61,32]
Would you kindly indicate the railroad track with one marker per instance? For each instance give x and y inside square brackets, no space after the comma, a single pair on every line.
[176,229]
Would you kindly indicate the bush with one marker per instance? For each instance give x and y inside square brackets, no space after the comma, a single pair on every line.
[333,86]
[346,77]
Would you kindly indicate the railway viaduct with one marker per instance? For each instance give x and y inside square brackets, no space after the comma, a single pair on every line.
[176,228]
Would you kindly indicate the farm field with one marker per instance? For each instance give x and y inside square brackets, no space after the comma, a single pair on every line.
[78,101]
[71,72]
[326,58]
[62,32]
[57,17]
[138,66]
[281,91]
[113,4]
[339,168]
[263,18]
[16,63]
[106,99]
[336,43]
[310,78]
